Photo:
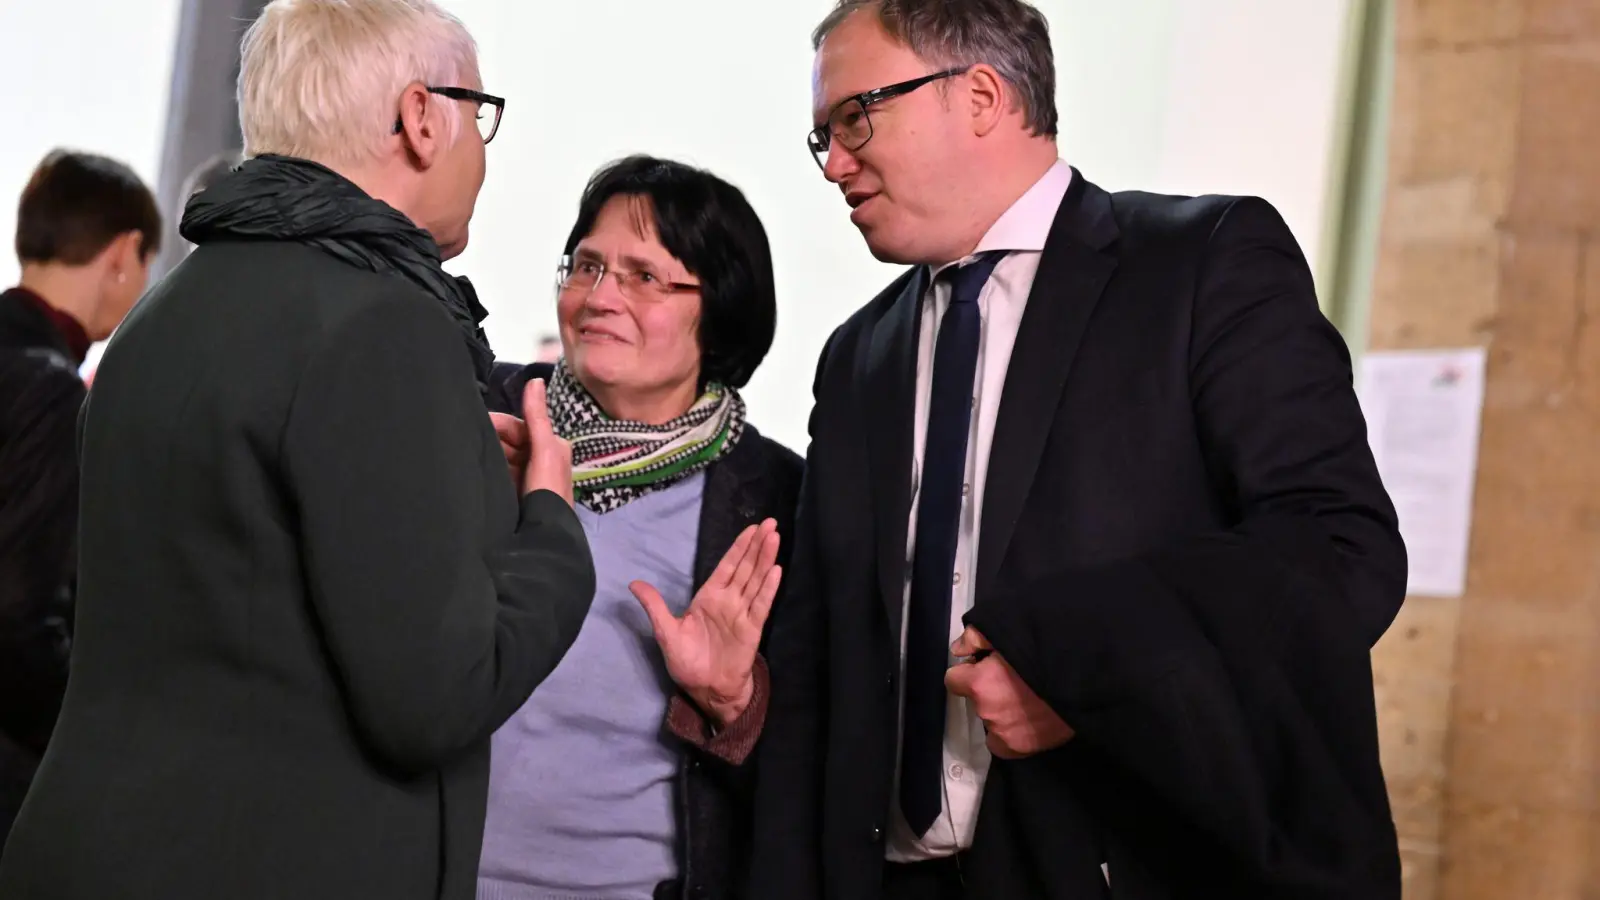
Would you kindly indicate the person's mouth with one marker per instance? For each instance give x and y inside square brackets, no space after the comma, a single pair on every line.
[594,334]
[859,202]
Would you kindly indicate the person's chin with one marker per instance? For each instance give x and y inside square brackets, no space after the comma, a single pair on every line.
[886,242]
[885,249]
[602,359]
[453,248]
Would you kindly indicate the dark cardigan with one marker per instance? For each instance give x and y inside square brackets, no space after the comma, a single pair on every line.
[759,479]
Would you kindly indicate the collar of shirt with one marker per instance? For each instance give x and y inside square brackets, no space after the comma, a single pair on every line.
[1025,226]
[72,333]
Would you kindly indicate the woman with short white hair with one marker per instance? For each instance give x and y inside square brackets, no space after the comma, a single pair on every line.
[308,593]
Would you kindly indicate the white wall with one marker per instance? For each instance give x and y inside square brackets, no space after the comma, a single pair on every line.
[86,75]
[1186,96]
[1204,96]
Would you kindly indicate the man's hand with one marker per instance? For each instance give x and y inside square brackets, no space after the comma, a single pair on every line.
[1019,724]
[549,464]
[711,651]
[513,434]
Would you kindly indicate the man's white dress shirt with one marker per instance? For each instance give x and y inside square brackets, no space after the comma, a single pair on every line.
[1021,231]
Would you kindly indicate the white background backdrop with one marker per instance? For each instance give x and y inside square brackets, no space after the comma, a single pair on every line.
[1187,96]
[86,74]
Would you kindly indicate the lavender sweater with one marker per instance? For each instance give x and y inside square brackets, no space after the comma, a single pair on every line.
[581,784]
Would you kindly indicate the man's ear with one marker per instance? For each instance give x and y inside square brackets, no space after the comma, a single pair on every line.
[125,254]
[985,95]
[421,126]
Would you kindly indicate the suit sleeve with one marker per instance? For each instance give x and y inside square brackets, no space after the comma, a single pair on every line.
[786,847]
[438,629]
[1229,674]
[39,481]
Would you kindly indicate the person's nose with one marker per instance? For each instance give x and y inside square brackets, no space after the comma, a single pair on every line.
[841,163]
[606,296]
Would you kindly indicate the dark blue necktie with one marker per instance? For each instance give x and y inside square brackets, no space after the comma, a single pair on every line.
[944,465]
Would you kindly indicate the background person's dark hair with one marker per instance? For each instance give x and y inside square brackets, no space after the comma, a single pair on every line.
[1007,34]
[76,204]
[709,226]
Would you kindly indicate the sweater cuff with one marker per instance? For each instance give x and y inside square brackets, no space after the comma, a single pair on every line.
[734,743]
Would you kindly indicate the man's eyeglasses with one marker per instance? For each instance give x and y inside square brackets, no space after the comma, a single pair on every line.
[583,274]
[848,122]
[488,122]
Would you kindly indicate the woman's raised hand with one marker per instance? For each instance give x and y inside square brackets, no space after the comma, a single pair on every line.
[710,652]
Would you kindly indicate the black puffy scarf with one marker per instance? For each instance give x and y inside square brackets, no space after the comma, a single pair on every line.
[281,198]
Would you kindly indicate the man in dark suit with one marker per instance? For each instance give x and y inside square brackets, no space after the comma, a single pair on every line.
[87,228]
[1092,550]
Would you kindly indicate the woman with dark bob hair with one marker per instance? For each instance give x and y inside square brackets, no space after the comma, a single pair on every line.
[625,776]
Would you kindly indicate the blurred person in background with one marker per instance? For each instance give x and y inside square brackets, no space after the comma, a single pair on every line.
[549,349]
[87,229]
[627,775]
[1092,551]
[199,179]
[307,594]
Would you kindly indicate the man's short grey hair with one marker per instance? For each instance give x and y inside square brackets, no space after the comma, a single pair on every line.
[321,79]
[1007,34]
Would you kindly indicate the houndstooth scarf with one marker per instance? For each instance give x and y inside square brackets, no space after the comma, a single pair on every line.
[616,461]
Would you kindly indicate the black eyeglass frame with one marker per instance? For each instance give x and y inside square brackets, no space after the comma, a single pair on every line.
[820,139]
[461,93]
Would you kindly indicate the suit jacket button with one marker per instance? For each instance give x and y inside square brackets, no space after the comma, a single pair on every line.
[877,835]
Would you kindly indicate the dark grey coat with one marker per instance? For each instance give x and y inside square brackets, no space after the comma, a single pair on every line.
[308,595]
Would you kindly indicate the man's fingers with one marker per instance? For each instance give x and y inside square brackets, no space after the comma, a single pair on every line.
[513,434]
[999,748]
[970,642]
[662,621]
[961,680]
[508,427]
[534,411]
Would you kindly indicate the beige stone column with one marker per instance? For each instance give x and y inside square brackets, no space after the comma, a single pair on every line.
[1490,704]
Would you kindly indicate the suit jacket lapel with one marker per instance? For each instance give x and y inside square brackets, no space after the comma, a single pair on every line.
[891,409]
[1073,270]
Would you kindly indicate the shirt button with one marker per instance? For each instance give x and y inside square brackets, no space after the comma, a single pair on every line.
[966,489]
[956,578]
[956,771]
